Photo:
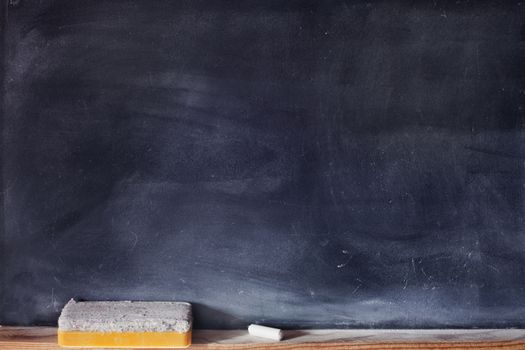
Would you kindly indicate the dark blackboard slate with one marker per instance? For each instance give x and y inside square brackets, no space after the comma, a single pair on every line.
[296,163]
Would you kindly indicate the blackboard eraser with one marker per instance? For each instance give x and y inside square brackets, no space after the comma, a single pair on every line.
[125,324]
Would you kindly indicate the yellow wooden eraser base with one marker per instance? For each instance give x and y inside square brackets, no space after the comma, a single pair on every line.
[78,339]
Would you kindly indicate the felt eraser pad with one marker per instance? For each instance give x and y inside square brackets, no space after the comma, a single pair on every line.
[125,324]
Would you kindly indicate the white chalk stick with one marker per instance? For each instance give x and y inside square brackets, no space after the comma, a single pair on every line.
[265,332]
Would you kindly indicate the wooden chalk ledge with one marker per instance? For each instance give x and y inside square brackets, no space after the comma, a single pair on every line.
[45,338]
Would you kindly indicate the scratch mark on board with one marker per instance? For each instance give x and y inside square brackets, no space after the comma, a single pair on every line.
[345,252]
[356,288]
[135,241]
[494,268]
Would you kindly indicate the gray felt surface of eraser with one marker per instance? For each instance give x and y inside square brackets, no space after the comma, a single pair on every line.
[126,316]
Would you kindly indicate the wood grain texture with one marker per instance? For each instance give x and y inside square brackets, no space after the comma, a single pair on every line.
[44,338]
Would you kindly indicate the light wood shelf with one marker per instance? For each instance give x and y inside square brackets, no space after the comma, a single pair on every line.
[44,338]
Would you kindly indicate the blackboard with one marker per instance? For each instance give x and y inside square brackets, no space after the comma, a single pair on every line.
[303,164]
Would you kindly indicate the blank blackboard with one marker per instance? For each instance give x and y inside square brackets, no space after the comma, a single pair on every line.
[303,164]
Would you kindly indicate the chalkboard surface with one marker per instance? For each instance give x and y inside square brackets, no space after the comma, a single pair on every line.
[294,163]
